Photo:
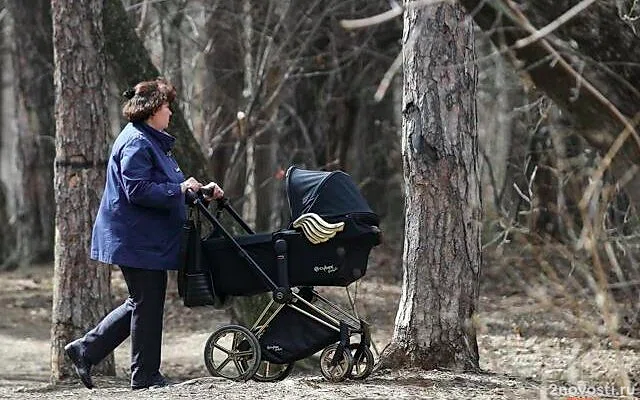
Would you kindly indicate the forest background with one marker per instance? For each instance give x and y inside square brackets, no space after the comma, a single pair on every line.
[560,228]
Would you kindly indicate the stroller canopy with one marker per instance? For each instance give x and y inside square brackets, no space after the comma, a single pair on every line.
[326,193]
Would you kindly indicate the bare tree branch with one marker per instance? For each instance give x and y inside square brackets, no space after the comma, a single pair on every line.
[388,77]
[143,17]
[598,114]
[629,129]
[596,177]
[572,12]
[396,10]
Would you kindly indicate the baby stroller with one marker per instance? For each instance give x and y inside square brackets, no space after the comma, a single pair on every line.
[327,244]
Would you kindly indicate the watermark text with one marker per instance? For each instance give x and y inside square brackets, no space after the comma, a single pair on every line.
[585,391]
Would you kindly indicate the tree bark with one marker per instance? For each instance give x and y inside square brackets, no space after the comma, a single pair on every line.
[129,60]
[33,66]
[606,52]
[442,257]
[82,294]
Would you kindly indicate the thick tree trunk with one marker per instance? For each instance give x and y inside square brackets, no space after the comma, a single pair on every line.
[130,62]
[606,53]
[33,66]
[442,257]
[81,295]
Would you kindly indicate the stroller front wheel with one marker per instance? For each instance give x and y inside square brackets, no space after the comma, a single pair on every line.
[338,371]
[232,352]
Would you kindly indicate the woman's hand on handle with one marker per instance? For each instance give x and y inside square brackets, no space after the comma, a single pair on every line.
[212,191]
[190,183]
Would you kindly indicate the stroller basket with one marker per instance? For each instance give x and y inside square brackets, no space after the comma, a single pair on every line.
[293,336]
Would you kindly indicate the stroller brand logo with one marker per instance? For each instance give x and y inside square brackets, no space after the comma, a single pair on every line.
[329,269]
[274,347]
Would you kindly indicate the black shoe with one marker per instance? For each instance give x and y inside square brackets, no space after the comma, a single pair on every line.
[80,364]
[158,381]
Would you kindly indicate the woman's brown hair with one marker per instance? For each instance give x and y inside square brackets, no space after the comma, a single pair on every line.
[145,98]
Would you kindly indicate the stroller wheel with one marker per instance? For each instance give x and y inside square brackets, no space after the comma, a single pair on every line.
[232,352]
[270,372]
[340,370]
[362,361]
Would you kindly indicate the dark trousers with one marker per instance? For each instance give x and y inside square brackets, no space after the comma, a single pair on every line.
[141,317]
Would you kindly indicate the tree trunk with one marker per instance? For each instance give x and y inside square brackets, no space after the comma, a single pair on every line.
[441,260]
[222,89]
[81,294]
[503,138]
[171,31]
[277,199]
[245,310]
[33,63]
[250,196]
[8,233]
[130,62]
[607,50]
[6,239]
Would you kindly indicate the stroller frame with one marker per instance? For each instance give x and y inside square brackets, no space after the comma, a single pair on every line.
[244,360]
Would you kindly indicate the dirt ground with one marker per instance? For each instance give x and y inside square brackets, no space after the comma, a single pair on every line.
[526,351]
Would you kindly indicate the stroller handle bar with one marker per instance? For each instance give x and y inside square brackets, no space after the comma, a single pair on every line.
[222,203]
[196,199]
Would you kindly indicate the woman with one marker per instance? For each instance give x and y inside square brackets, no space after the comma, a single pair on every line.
[138,227]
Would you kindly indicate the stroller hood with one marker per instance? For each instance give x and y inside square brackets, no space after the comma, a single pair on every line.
[326,193]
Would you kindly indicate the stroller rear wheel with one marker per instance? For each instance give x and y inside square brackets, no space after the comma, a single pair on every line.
[232,352]
[339,371]
[270,372]
[362,361]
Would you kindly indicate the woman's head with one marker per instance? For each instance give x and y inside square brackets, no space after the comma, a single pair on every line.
[147,98]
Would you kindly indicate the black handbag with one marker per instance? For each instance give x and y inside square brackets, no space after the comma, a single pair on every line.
[195,284]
